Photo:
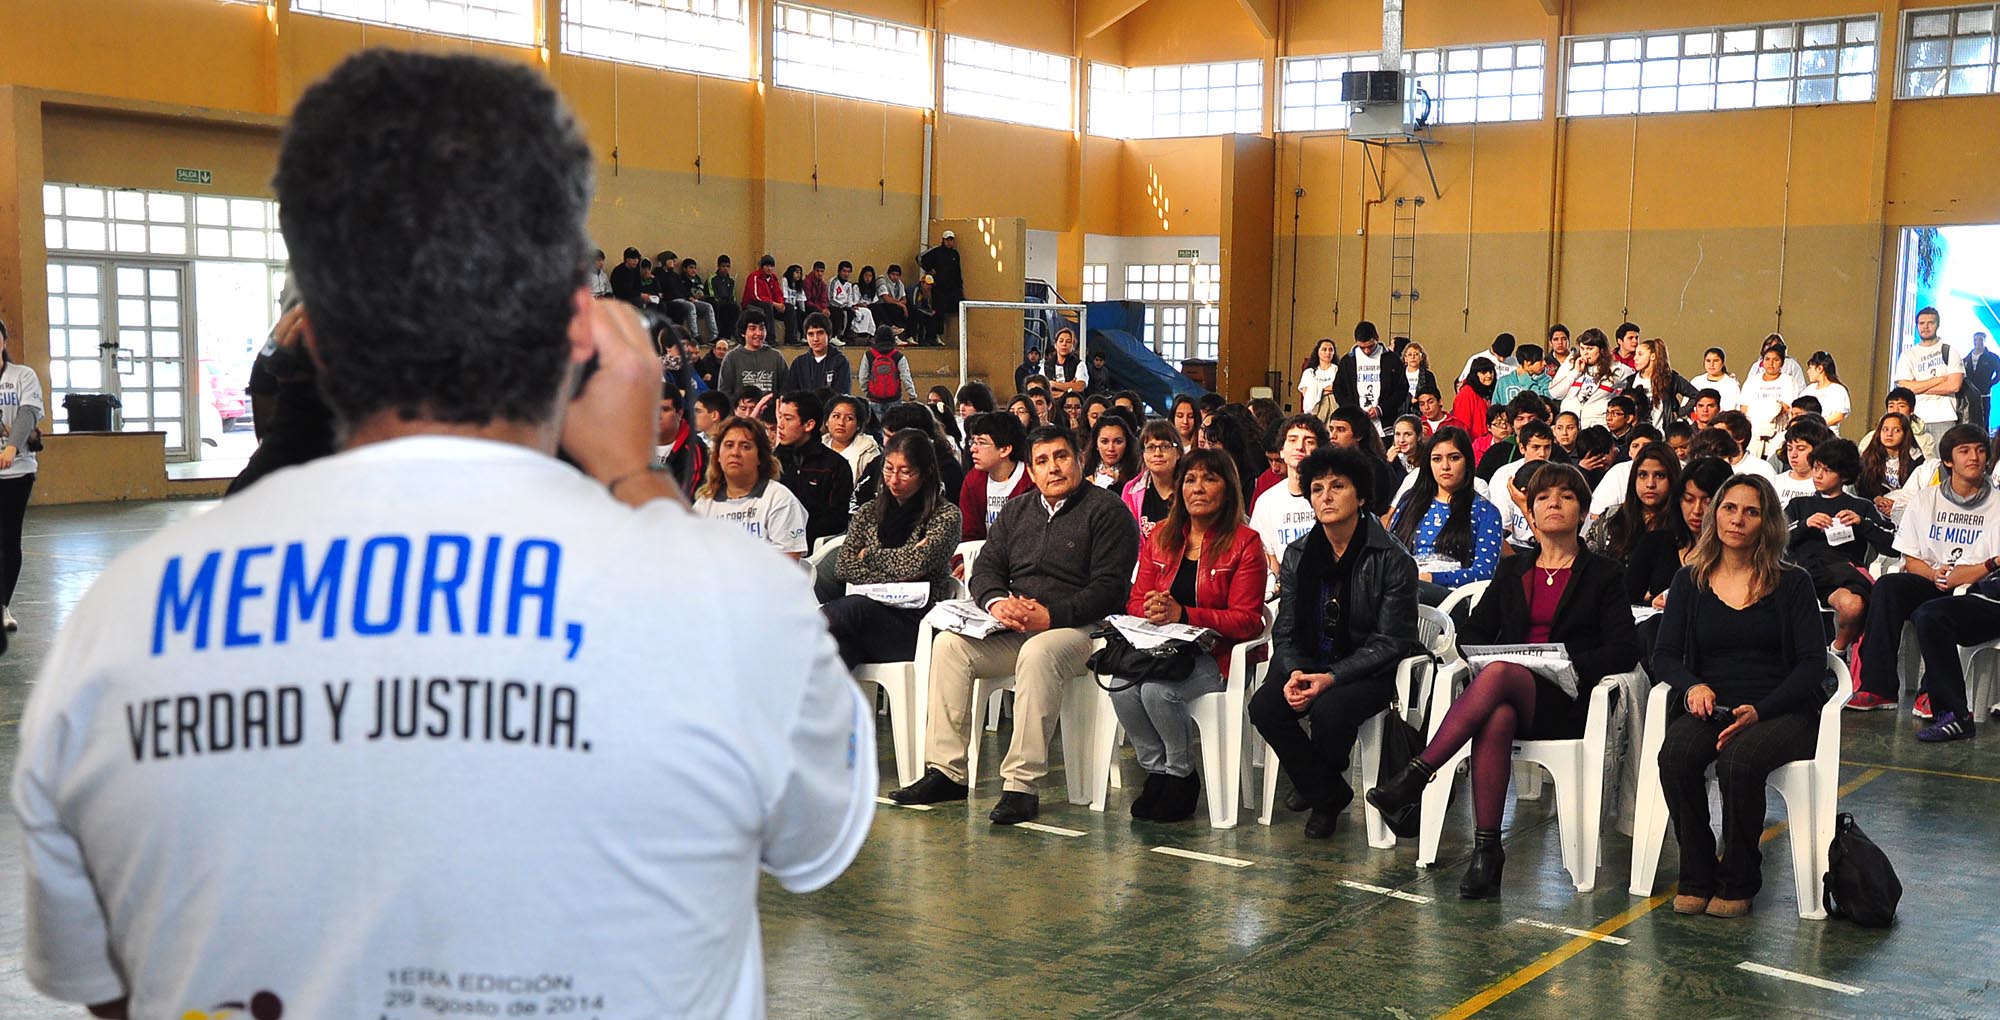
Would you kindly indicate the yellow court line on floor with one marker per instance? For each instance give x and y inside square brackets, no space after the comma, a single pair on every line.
[1922,772]
[1514,982]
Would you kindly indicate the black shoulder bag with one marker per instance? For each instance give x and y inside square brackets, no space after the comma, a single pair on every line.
[1169,663]
[1860,883]
[1402,742]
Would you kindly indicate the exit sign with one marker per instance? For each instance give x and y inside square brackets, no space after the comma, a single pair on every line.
[189,175]
[1186,253]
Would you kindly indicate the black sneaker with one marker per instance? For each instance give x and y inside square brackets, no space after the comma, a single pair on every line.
[1015,808]
[934,788]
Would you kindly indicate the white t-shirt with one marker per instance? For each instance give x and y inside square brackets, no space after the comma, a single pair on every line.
[1790,488]
[1513,522]
[566,792]
[770,512]
[1942,533]
[1833,400]
[1750,465]
[1610,489]
[999,491]
[1764,398]
[1501,366]
[1314,384]
[19,386]
[1280,518]
[1921,361]
[1368,379]
[1726,388]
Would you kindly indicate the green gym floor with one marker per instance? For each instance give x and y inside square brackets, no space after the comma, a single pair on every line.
[945,915]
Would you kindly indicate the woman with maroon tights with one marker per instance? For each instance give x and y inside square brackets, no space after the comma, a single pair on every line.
[1564,594]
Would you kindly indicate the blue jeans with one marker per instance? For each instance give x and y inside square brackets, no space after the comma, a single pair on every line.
[1156,718]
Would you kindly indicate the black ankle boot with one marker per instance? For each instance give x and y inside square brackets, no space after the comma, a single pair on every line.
[1482,876]
[1405,789]
[1178,801]
[1148,802]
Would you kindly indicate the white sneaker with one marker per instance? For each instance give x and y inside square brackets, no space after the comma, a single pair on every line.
[7,620]
[835,341]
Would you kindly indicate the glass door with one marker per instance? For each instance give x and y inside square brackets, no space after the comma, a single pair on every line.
[152,316]
[77,332]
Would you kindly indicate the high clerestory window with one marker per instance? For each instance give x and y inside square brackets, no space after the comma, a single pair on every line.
[985,79]
[1495,82]
[702,36]
[817,50]
[1177,100]
[1786,63]
[1949,51]
[505,21]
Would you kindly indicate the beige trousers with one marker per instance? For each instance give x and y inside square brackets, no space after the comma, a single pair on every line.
[1040,664]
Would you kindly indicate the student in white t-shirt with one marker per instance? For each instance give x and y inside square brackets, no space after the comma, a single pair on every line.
[742,487]
[1316,383]
[1801,438]
[1715,376]
[1284,514]
[1537,443]
[21,407]
[1930,369]
[1767,399]
[430,725]
[1823,383]
[1949,536]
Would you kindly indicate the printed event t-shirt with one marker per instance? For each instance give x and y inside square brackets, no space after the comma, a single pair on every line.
[1942,533]
[1928,362]
[999,490]
[20,386]
[392,735]
[770,513]
[1280,518]
[1764,398]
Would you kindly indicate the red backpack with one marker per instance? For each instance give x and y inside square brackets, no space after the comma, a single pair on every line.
[884,376]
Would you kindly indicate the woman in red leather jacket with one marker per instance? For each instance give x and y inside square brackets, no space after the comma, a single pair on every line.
[1202,566]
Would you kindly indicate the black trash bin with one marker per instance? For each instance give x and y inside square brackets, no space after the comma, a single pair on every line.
[92,412]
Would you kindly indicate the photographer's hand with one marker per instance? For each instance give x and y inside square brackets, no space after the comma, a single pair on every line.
[608,429]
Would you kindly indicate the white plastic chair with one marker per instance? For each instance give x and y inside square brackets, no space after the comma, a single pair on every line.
[1460,595]
[823,548]
[907,686]
[1435,631]
[1219,722]
[1810,789]
[1910,668]
[1575,766]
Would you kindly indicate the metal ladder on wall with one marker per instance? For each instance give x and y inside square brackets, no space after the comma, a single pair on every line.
[1403,265]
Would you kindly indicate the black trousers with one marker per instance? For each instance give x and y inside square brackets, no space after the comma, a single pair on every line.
[1942,625]
[725,317]
[868,631]
[1316,761]
[13,510]
[1895,598]
[887,314]
[1740,769]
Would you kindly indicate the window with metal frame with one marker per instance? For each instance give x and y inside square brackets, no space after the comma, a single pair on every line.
[700,36]
[1785,63]
[1177,294]
[842,54]
[504,21]
[1949,51]
[1466,84]
[1175,101]
[987,79]
[1096,278]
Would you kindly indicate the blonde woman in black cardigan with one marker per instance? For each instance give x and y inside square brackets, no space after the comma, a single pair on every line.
[906,533]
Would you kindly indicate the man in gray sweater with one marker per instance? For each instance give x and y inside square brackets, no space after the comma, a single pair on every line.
[1054,564]
[752,364]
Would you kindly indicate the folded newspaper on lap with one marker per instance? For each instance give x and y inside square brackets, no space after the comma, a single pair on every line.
[1434,564]
[895,594]
[963,616]
[1145,635]
[1548,660]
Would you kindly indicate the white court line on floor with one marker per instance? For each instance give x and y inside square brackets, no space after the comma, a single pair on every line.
[906,807]
[1050,829]
[1396,894]
[1196,855]
[1573,932]
[1804,979]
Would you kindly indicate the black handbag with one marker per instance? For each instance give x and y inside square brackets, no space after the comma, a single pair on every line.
[1401,743]
[1860,883]
[1169,663]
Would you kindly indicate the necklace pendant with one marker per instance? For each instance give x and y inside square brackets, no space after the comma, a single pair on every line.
[1549,579]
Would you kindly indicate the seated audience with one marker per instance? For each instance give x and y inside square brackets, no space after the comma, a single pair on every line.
[1742,647]
[998,445]
[1563,594]
[1352,428]
[1049,603]
[1023,410]
[1596,451]
[1507,490]
[1186,418]
[1406,443]
[820,367]
[742,487]
[1202,568]
[722,294]
[1454,534]
[1664,549]
[754,363]
[711,409]
[1113,459]
[1531,377]
[1499,429]
[1284,513]
[1150,496]
[1802,436]
[1475,395]
[1651,487]
[1890,456]
[765,291]
[1347,614]
[906,533]
[1949,535]
[1071,406]
[1834,534]
[821,479]
[845,419]
[675,448]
